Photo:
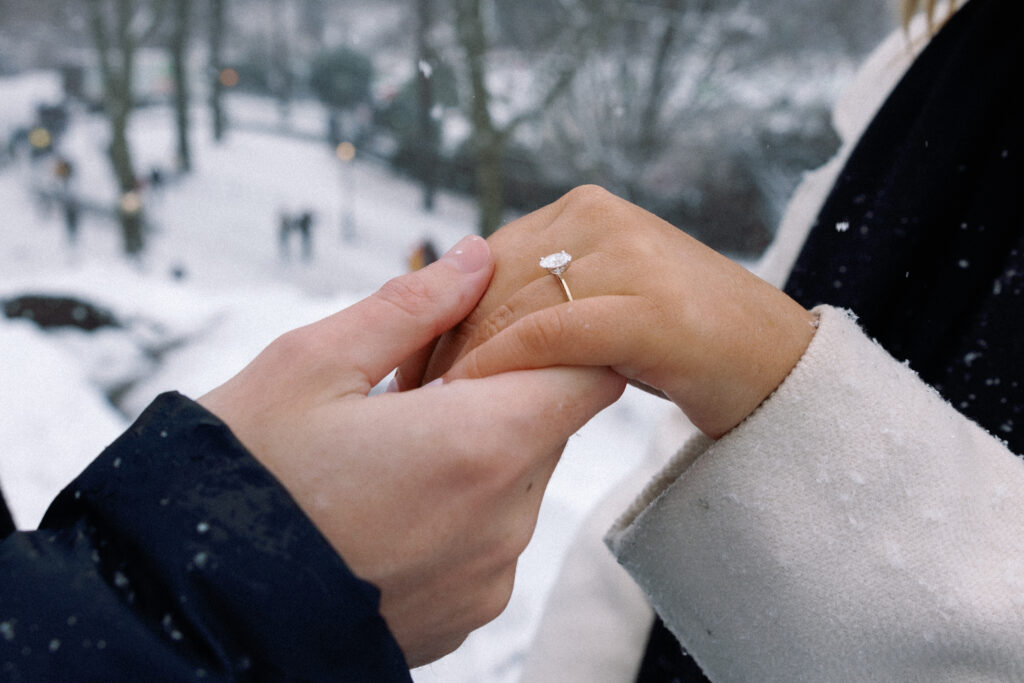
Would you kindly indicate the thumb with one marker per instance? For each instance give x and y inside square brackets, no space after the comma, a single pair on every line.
[409,311]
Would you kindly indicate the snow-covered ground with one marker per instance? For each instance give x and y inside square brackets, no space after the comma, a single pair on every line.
[218,227]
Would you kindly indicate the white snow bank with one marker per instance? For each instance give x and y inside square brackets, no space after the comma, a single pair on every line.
[53,421]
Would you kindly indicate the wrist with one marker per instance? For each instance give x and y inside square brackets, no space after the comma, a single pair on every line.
[748,370]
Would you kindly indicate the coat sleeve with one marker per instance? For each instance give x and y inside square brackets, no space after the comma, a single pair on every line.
[175,555]
[855,527]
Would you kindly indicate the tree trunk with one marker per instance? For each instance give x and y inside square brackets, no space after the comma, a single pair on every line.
[313,21]
[179,66]
[488,142]
[115,47]
[281,78]
[650,117]
[647,137]
[427,152]
[218,22]
[129,206]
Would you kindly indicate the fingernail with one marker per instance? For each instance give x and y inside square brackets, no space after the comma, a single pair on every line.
[435,382]
[392,386]
[470,254]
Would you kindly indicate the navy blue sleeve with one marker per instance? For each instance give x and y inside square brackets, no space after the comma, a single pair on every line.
[6,521]
[176,556]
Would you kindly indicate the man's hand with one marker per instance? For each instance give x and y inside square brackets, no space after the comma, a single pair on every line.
[430,494]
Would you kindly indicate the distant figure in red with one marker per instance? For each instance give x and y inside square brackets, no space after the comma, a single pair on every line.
[422,255]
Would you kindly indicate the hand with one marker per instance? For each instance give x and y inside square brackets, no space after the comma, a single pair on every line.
[430,494]
[651,302]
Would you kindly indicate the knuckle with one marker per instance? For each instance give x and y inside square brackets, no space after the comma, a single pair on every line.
[470,470]
[409,294]
[299,359]
[490,470]
[475,334]
[451,644]
[477,468]
[539,335]
[588,196]
[496,599]
[493,467]
[496,321]
[518,537]
[291,345]
[470,367]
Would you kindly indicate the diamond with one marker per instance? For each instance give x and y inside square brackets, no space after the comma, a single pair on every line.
[556,263]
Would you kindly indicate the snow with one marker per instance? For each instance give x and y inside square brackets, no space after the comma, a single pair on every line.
[218,228]
[22,93]
[47,408]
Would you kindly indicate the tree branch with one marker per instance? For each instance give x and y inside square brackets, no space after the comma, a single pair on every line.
[556,91]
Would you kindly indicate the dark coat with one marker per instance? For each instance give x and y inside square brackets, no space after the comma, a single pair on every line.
[176,556]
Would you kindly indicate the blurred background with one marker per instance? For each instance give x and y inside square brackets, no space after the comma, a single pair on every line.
[704,111]
[182,180]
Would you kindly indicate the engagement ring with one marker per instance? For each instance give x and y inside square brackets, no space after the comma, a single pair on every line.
[556,264]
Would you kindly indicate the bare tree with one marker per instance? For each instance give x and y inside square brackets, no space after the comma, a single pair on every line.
[489,138]
[179,67]
[651,115]
[217,29]
[118,28]
[655,59]
[659,83]
[426,61]
[488,142]
[312,21]
[282,79]
[706,111]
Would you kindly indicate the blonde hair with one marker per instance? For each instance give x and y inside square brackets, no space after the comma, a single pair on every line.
[908,8]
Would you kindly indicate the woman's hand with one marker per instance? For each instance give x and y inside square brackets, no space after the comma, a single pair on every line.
[430,494]
[651,302]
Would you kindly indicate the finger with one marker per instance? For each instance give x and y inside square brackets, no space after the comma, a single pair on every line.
[558,401]
[510,263]
[486,320]
[606,330]
[535,410]
[404,315]
[499,310]
[584,280]
[410,372]
[491,316]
